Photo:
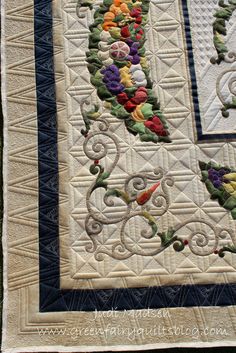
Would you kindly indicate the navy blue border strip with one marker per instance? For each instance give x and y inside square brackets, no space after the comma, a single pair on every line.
[52,298]
[47,147]
[188,35]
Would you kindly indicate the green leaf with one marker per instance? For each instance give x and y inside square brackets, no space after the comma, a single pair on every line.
[202,165]
[234,100]
[96,79]
[107,3]
[119,193]
[220,28]
[230,203]
[149,137]
[147,111]
[140,128]
[119,111]
[130,90]
[151,222]
[103,176]
[222,15]
[166,237]
[94,169]
[103,93]
[119,18]
[204,175]
[233,213]
[225,13]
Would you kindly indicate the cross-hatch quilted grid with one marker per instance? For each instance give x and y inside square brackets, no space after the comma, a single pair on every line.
[23,185]
[188,198]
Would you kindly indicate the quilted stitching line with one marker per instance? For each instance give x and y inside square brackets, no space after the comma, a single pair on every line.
[94,222]
[54,299]
[199,130]
[222,15]
[119,70]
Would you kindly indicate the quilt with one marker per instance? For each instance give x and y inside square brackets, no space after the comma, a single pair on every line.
[119,174]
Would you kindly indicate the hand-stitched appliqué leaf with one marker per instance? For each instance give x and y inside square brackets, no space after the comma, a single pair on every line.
[119,70]
[221,184]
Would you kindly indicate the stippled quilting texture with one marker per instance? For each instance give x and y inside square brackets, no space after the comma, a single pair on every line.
[120,174]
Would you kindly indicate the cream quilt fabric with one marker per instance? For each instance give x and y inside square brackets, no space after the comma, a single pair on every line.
[120,174]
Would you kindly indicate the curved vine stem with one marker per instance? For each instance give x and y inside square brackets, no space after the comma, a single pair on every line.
[222,15]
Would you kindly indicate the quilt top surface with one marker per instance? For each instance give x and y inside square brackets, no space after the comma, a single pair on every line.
[120,174]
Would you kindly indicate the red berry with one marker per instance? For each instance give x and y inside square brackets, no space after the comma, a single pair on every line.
[139,97]
[96,162]
[138,20]
[122,98]
[142,89]
[125,32]
[157,121]
[129,106]
[136,26]
[163,133]
[138,36]
[149,124]
[135,12]
[185,242]
[216,252]
[156,126]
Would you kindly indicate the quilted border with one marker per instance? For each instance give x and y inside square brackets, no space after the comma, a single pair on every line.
[1,215]
[201,137]
[52,298]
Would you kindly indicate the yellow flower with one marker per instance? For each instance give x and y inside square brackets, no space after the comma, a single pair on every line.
[107,105]
[125,77]
[137,4]
[126,80]
[137,114]
[127,2]
[229,188]
[144,63]
[230,176]
[233,184]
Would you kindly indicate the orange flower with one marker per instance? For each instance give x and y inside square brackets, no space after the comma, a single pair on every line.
[115,9]
[108,24]
[117,2]
[146,195]
[124,8]
[109,16]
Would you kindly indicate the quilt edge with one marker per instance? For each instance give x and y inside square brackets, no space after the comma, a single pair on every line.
[3,185]
[84,349]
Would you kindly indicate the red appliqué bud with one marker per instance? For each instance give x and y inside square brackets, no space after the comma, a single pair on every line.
[122,98]
[129,106]
[125,32]
[138,20]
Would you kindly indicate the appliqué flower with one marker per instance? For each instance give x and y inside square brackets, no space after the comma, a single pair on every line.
[221,184]
[119,68]
[156,126]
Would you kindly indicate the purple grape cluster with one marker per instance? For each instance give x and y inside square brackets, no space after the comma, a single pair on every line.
[135,59]
[134,48]
[133,54]
[217,177]
[111,79]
